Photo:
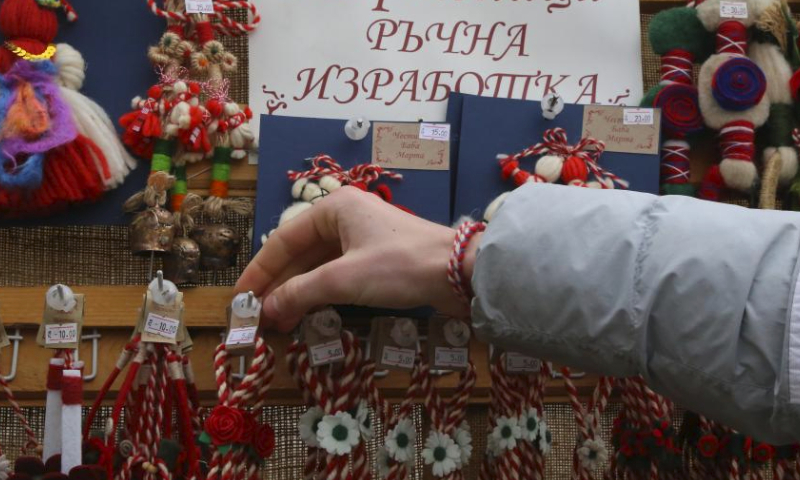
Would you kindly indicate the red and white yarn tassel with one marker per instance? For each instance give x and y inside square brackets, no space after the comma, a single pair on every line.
[71,399]
[31,444]
[187,429]
[52,413]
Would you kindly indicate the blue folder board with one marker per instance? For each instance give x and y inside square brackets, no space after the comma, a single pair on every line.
[286,143]
[113,38]
[492,126]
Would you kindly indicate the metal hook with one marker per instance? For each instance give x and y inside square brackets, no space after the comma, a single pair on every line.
[434,372]
[94,336]
[367,352]
[557,374]
[15,338]
[242,365]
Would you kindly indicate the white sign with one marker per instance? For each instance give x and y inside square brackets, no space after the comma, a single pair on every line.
[637,116]
[434,131]
[162,326]
[238,336]
[451,357]
[398,357]
[326,353]
[60,333]
[728,9]
[199,6]
[397,60]
[518,363]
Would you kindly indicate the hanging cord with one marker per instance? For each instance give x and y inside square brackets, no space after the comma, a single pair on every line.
[226,26]
[590,451]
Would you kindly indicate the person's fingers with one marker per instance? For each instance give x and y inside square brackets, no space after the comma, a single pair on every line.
[306,262]
[306,231]
[330,283]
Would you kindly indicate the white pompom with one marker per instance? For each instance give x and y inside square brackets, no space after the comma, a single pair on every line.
[180,87]
[594,184]
[294,210]
[549,167]
[312,193]
[738,174]
[231,108]
[71,66]
[493,207]
[297,188]
[330,183]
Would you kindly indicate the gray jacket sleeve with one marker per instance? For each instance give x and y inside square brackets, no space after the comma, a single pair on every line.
[696,297]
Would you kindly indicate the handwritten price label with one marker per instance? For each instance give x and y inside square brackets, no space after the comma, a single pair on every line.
[161,326]
[60,333]
[517,363]
[199,6]
[398,357]
[728,9]
[239,336]
[637,116]
[434,131]
[325,353]
[451,357]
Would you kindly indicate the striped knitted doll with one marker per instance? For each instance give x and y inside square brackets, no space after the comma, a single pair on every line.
[681,40]
[59,147]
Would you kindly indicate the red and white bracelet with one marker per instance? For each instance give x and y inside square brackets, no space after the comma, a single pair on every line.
[455,269]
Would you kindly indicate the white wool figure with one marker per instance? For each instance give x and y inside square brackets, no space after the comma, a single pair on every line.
[330,183]
[90,118]
[179,118]
[292,211]
[549,167]
[488,214]
[312,193]
[240,134]
[297,188]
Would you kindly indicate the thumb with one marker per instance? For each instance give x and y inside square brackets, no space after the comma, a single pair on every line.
[330,283]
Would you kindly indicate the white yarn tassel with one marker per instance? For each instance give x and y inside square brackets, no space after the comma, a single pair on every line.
[71,454]
[52,415]
[90,118]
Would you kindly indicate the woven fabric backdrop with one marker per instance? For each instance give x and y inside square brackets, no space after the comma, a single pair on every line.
[100,256]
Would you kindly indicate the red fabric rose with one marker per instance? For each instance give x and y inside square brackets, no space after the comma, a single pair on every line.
[708,445]
[264,441]
[249,426]
[763,452]
[225,425]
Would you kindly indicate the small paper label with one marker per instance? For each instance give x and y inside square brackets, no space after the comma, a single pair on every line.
[611,126]
[325,353]
[238,336]
[451,357]
[434,131]
[162,326]
[61,333]
[729,9]
[402,146]
[638,116]
[518,363]
[56,318]
[398,357]
[199,6]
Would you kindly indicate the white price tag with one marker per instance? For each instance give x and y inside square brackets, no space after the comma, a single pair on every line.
[238,336]
[451,357]
[638,116]
[434,131]
[518,363]
[55,334]
[199,6]
[731,9]
[398,357]
[161,326]
[325,353]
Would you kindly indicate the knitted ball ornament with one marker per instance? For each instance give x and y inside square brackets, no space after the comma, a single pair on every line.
[738,84]
[25,19]
[680,29]
[574,168]
[680,109]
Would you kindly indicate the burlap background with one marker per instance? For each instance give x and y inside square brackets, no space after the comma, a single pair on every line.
[100,256]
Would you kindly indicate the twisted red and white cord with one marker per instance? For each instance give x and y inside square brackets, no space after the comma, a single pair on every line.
[324,165]
[455,267]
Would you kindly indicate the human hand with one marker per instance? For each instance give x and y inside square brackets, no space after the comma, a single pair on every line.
[352,248]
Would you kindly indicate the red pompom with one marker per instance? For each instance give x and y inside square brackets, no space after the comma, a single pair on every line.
[574,168]
[248,113]
[384,192]
[521,177]
[194,88]
[712,185]
[508,168]
[155,92]
[25,19]
[214,107]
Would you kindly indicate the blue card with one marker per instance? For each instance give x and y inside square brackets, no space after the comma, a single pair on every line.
[113,38]
[492,126]
[285,143]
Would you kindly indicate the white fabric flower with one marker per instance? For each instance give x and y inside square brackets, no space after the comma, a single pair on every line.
[592,454]
[383,461]
[5,467]
[364,421]
[338,433]
[463,439]
[309,422]
[400,441]
[545,438]
[506,433]
[529,424]
[442,453]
